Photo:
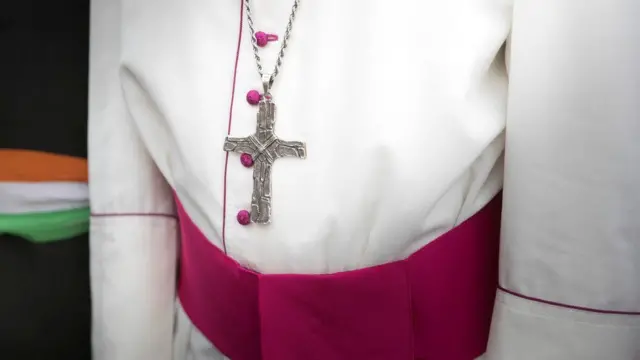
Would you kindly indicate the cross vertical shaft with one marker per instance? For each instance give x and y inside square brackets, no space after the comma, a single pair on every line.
[264,147]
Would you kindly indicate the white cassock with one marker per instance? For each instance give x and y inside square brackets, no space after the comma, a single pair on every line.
[403,106]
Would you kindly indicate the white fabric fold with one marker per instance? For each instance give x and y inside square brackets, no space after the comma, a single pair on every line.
[134,238]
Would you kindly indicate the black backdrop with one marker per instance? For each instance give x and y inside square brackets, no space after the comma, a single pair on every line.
[44,288]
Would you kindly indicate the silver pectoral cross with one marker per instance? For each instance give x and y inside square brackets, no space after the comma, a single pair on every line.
[264,147]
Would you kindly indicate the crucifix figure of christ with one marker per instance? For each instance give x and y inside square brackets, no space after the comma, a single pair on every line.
[264,148]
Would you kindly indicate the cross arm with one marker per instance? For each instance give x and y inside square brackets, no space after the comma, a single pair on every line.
[291,149]
[239,145]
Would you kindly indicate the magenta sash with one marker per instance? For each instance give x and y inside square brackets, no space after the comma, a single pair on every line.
[434,305]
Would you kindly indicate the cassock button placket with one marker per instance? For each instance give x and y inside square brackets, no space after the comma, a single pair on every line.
[262,38]
[253,98]
[243,217]
[246,160]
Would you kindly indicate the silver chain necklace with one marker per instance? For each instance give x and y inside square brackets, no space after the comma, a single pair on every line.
[261,149]
[254,44]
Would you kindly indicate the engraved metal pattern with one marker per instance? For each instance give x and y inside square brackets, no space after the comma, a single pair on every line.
[264,147]
[283,46]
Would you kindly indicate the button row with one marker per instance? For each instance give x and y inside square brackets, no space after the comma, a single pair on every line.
[262,38]
[244,218]
[253,98]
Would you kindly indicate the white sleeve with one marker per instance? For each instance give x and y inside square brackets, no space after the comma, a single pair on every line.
[570,253]
[133,229]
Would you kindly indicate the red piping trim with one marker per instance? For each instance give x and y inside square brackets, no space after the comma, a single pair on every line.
[133,215]
[226,160]
[567,306]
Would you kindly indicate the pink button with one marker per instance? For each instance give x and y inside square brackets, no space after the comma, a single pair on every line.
[253,97]
[262,38]
[244,218]
[246,160]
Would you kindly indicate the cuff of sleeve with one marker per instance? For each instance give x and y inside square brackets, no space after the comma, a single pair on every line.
[526,329]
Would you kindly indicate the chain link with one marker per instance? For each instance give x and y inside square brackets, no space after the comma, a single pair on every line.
[283,46]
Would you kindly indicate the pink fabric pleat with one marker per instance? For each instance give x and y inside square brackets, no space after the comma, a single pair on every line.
[434,305]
